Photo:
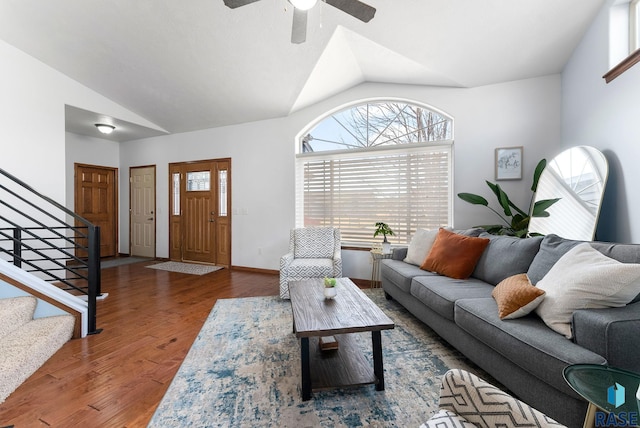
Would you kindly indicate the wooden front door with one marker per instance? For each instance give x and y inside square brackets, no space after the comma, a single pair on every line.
[199,225]
[142,214]
[95,200]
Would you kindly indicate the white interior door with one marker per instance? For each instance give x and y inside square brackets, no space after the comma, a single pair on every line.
[143,211]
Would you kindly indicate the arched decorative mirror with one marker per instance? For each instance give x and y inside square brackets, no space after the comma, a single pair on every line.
[578,177]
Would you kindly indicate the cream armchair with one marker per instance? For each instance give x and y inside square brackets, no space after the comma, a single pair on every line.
[314,252]
[467,401]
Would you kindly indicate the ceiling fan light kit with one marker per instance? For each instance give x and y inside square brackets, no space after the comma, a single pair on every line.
[355,8]
[303,4]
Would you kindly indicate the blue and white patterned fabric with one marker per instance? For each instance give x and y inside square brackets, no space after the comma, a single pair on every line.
[467,399]
[314,252]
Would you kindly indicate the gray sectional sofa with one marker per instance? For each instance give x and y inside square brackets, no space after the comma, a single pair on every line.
[525,355]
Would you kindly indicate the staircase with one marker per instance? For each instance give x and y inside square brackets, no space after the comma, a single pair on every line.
[27,342]
[49,279]
[50,243]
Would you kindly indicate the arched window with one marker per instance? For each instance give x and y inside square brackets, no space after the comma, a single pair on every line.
[383,160]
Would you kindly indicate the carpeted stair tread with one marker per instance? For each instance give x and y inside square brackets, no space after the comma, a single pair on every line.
[15,312]
[30,346]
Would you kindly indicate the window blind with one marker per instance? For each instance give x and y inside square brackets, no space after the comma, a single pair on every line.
[405,188]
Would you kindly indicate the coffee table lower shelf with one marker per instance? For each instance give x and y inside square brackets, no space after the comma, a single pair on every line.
[341,368]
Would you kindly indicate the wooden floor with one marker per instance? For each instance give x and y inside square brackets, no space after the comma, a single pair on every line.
[118,377]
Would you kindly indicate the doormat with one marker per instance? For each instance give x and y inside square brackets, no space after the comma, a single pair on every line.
[119,261]
[190,268]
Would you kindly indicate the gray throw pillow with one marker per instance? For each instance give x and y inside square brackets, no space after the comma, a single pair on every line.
[552,248]
[505,256]
[474,232]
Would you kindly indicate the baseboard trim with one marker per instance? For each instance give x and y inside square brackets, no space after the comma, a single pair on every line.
[255,270]
[361,283]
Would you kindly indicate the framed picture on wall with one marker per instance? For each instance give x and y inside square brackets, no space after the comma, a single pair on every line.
[509,163]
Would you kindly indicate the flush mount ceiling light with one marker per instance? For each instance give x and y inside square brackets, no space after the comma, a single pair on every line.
[104,128]
[303,4]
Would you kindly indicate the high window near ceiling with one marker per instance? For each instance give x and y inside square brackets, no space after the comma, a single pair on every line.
[383,160]
[624,37]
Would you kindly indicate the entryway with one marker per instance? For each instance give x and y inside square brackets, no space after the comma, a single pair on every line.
[200,204]
[142,214]
[95,199]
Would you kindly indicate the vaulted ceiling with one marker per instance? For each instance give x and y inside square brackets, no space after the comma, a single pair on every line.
[196,64]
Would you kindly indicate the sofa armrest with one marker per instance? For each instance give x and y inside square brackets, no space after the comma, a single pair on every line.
[285,261]
[485,405]
[609,332]
[337,263]
[399,253]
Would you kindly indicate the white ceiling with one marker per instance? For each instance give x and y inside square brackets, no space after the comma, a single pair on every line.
[196,64]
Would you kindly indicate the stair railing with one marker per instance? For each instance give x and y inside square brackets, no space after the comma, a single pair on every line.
[35,236]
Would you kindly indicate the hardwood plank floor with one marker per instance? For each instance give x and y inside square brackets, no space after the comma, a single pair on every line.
[118,377]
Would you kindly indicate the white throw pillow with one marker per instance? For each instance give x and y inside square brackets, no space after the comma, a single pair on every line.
[584,278]
[420,245]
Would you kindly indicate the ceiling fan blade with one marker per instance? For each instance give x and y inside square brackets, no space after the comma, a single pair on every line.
[237,3]
[355,8]
[299,28]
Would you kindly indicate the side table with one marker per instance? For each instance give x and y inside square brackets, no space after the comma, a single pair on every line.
[376,256]
[612,390]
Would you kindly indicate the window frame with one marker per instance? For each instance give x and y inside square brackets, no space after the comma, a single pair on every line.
[634,26]
[633,17]
[303,158]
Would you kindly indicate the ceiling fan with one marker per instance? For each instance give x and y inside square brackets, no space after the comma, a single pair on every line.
[355,8]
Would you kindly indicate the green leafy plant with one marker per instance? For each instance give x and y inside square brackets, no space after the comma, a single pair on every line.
[330,282]
[383,229]
[516,221]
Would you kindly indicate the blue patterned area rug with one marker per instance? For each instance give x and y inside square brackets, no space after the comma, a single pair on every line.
[243,370]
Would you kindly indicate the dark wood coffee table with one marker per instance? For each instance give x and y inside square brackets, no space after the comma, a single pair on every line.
[351,311]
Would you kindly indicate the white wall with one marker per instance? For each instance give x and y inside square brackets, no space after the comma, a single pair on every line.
[523,113]
[43,309]
[35,146]
[606,116]
[32,135]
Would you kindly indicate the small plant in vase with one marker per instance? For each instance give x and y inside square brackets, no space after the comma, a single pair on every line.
[384,230]
[330,289]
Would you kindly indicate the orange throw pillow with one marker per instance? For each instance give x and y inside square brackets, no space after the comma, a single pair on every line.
[454,255]
[516,297]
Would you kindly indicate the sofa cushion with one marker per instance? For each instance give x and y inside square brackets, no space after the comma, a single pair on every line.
[454,255]
[440,292]
[516,297]
[400,273]
[526,341]
[609,332]
[420,245]
[553,247]
[584,278]
[474,231]
[314,242]
[505,256]
[310,268]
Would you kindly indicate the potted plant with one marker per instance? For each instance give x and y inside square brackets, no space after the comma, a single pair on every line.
[384,230]
[330,289]
[515,220]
